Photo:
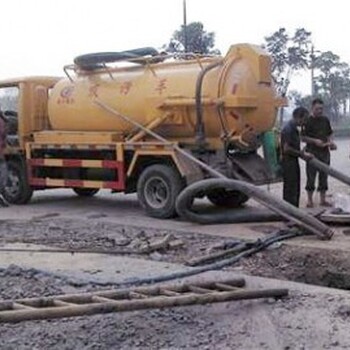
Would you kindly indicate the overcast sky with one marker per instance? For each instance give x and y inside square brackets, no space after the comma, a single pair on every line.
[38,37]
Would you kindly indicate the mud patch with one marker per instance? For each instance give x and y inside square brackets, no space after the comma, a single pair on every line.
[328,268]
[346,232]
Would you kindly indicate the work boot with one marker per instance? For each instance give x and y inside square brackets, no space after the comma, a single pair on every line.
[4,202]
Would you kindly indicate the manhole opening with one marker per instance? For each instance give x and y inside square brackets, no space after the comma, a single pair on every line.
[321,267]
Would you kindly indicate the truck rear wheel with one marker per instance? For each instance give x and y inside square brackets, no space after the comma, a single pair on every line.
[227,199]
[157,190]
[85,192]
[17,189]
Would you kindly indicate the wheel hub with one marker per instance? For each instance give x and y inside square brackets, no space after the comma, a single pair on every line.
[156,192]
[12,186]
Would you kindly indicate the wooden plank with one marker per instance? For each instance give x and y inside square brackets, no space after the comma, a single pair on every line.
[135,295]
[60,303]
[200,290]
[18,306]
[169,292]
[226,287]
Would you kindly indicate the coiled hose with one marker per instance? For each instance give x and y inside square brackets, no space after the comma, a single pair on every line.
[280,208]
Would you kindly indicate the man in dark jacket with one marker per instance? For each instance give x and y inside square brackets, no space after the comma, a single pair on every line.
[3,168]
[290,146]
[317,134]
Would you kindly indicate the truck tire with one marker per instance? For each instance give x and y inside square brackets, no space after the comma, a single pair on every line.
[85,192]
[158,188]
[225,199]
[17,189]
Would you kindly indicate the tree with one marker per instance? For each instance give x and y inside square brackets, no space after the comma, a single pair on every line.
[198,40]
[289,55]
[332,83]
[299,100]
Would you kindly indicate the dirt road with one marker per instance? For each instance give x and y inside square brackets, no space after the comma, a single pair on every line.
[311,318]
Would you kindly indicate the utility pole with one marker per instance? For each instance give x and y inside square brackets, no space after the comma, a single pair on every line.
[185,25]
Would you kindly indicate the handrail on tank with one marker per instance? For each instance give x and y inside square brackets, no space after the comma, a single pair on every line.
[146,61]
[69,67]
[108,71]
[163,57]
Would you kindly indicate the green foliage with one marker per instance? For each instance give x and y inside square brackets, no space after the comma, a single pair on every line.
[198,40]
[289,55]
[332,83]
[300,100]
[331,76]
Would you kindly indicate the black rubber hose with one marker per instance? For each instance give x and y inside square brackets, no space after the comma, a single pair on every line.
[96,60]
[200,128]
[255,247]
[239,215]
[329,170]
[185,201]
[219,215]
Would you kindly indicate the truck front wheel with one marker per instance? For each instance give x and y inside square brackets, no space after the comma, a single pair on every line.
[158,188]
[17,189]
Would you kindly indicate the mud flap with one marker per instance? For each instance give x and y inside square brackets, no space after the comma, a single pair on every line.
[251,167]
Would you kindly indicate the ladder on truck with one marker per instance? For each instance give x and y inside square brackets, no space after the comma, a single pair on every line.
[139,298]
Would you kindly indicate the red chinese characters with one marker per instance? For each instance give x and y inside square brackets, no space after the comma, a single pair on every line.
[66,95]
[161,86]
[234,89]
[125,87]
[93,90]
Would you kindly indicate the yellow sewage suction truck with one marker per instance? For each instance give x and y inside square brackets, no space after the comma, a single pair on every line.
[94,129]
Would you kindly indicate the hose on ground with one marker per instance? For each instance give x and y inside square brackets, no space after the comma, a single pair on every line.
[252,248]
[245,214]
[283,209]
[278,209]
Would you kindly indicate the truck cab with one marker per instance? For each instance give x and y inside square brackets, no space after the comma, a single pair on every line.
[23,102]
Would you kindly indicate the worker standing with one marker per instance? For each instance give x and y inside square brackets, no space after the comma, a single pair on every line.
[317,134]
[3,168]
[290,146]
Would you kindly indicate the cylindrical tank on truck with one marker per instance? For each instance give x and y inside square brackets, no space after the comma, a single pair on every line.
[236,94]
